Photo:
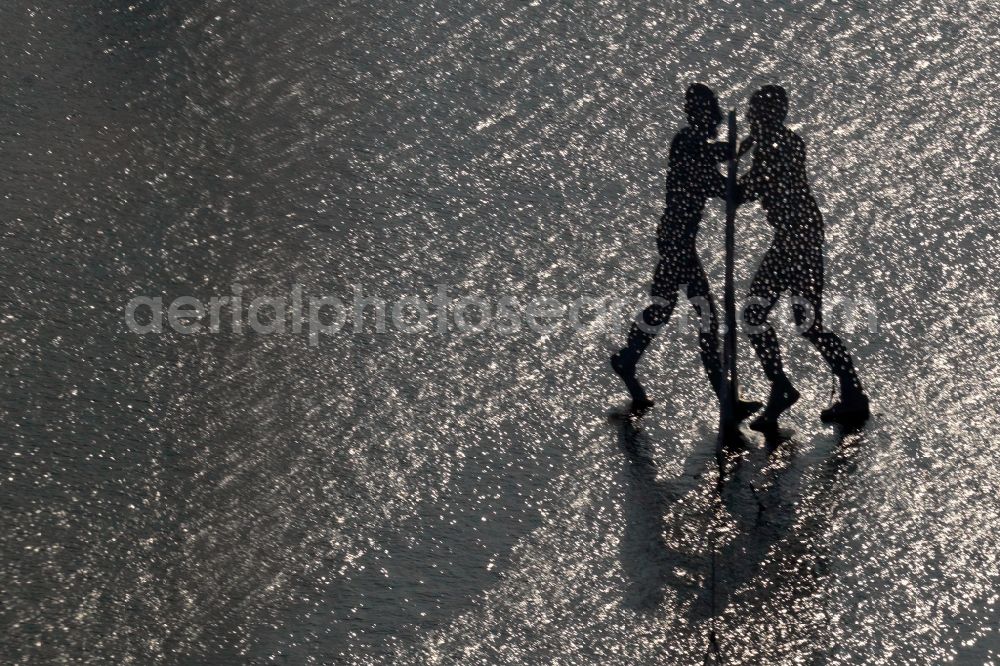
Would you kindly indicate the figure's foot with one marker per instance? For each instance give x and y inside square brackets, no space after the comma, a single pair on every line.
[746,408]
[783,395]
[639,407]
[625,369]
[764,424]
[850,409]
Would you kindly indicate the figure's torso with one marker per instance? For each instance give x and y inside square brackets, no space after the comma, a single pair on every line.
[780,157]
[692,178]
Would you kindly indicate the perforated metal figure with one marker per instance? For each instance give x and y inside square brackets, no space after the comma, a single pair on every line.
[793,263]
[693,177]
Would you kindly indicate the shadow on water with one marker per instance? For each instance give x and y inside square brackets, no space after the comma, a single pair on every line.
[658,553]
[737,512]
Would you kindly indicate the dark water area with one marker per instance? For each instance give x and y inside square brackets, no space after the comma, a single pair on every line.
[233,497]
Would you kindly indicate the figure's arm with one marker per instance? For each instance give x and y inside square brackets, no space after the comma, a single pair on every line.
[718,186]
[750,186]
[719,150]
[675,147]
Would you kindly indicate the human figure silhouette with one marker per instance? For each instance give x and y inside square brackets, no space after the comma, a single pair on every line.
[692,178]
[793,263]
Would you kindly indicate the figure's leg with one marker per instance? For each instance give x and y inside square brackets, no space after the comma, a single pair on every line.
[809,320]
[652,319]
[703,302]
[764,292]
[808,312]
[642,332]
[700,296]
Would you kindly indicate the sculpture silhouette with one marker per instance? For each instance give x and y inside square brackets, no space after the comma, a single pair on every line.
[793,263]
[693,177]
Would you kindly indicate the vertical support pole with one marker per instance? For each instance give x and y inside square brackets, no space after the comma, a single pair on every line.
[729,341]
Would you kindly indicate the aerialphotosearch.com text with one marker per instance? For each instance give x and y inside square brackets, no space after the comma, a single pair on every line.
[441,312]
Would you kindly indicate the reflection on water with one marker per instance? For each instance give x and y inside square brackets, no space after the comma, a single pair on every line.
[741,513]
[664,538]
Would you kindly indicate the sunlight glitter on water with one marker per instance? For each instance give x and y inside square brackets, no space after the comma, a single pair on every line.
[434,498]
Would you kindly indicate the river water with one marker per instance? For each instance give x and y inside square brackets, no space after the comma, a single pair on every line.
[463,497]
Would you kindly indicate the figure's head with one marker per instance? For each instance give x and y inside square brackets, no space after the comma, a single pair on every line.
[702,108]
[768,108]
